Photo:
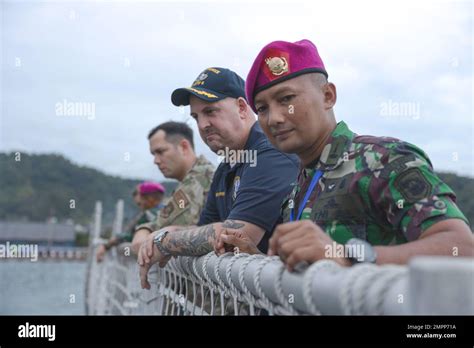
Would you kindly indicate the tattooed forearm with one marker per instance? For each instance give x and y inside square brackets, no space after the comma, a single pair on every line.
[232,224]
[194,241]
[174,228]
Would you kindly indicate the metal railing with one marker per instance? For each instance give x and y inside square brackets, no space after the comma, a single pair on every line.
[241,284]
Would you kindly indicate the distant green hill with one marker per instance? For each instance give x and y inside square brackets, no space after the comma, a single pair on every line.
[40,186]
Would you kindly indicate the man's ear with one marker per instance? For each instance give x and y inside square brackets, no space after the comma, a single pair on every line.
[185,145]
[330,95]
[243,107]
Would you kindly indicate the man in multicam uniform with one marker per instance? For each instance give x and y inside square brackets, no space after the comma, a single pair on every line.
[378,193]
[172,146]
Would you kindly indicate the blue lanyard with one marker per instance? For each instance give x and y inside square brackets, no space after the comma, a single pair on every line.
[311,187]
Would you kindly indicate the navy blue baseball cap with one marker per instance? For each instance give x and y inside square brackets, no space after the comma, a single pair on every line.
[212,85]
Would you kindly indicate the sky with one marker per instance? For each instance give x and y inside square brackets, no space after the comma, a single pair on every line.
[401,69]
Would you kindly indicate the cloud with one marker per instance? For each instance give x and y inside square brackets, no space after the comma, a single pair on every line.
[126,58]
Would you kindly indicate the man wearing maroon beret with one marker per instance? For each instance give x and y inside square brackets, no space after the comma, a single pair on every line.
[148,197]
[375,195]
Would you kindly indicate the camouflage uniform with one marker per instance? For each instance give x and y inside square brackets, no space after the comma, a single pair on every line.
[379,189]
[141,218]
[185,204]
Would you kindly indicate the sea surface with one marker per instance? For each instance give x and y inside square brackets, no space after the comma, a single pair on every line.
[44,287]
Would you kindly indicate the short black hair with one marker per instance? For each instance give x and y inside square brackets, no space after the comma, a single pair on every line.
[174,129]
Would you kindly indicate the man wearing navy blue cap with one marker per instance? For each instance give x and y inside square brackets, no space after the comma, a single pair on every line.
[248,186]
[212,85]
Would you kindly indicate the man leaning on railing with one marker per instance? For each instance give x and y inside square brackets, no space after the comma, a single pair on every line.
[147,196]
[248,185]
[172,147]
[377,196]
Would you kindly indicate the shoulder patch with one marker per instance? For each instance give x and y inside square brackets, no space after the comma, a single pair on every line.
[181,199]
[167,210]
[413,185]
[236,187]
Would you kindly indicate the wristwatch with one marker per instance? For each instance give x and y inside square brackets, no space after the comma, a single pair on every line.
[360,251]
[158,240]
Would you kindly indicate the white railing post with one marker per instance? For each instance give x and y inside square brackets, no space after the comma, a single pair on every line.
[93,270]
[97,219]
[118,220]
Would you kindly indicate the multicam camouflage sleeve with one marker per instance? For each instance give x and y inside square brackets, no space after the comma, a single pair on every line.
[184,206]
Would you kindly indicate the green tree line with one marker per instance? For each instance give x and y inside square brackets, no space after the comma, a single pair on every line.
[36,187]
[39,186]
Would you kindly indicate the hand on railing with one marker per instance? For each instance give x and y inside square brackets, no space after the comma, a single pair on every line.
[236,241]
[148,255]
[303,242]
[100,253]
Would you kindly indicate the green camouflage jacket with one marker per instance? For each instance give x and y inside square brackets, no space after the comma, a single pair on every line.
[142,217]
[379,189]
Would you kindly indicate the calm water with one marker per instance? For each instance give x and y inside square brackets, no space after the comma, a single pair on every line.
[42,287]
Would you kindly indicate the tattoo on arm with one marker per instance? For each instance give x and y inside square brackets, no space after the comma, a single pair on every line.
[195,241]
[233,224]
